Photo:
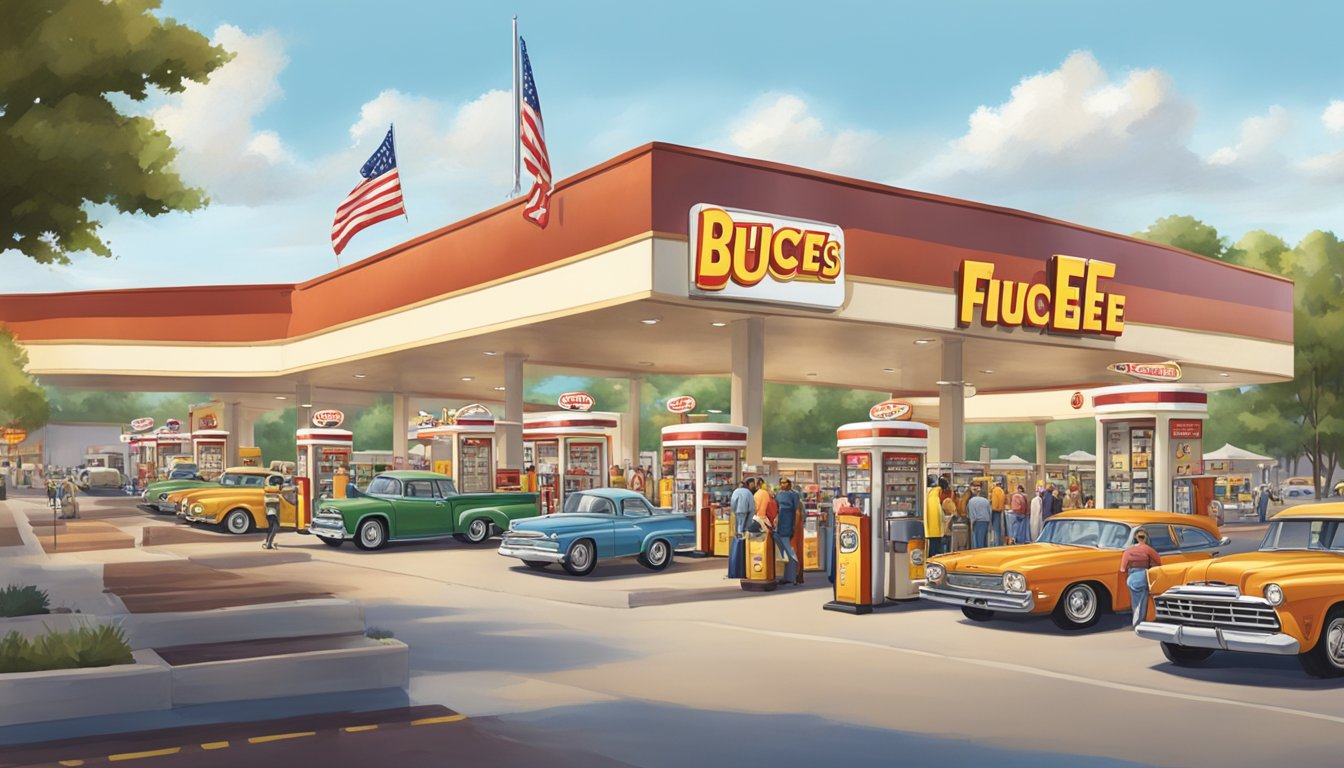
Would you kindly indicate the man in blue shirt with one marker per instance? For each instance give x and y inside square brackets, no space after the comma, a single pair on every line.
[743,504]
[790,505]
[980,511]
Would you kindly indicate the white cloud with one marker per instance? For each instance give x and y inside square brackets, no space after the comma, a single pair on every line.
[1333,117]
[1259,140]
[213,124]
[782,127]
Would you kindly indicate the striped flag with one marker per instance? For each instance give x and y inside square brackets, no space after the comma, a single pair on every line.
[535,158]
[376,198]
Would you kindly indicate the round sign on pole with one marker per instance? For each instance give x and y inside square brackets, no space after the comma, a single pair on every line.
[891,410]
[13,435]
[681,404]
[328,418]
[172,425]
[576,401]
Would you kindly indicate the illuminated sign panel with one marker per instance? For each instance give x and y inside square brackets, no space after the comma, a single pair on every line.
[1070,300]
[751,256]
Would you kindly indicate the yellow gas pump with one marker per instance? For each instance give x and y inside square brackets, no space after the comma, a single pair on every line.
[853,564]
[339,483]
[723,530]
[760,563]
[665,494]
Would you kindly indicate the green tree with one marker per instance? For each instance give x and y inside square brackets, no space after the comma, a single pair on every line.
[1186,233]
[23,403]
[120,407]
[1004,440]
[64,67]
[373,426]
[274,433]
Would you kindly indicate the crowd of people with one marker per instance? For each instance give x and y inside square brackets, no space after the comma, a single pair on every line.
[976,519]
[758,509]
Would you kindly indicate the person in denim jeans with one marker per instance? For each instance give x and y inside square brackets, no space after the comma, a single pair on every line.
[979,510]
[789,504]
[1135,562]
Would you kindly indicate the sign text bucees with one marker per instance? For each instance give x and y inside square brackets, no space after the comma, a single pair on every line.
[763,257]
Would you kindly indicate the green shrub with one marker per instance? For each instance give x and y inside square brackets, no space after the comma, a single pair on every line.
[100,645]
[374,633]
[22,601]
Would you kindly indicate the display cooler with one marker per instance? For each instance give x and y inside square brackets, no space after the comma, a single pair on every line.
[707,466]
[883,468]
[210,447]
[322,451]
[1149,436]
[571,451]
[464,450]
[144,458]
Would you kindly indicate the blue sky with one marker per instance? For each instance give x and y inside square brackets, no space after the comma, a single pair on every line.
[1110,115]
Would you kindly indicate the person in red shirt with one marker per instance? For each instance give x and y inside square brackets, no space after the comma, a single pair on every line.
[1136,561]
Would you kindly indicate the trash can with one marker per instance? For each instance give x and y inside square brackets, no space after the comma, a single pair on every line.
[904,544]
[760,552]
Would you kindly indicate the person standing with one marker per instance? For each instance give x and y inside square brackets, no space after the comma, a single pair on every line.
[637,480]
[933,517]
[997,501]
[1262,504]
[958,528]
[1051,504]
[271,500]
[743,504]
[1020,529]
[1037,512]
[1135,562]
[68,502]
[789,505]
[981,514]
[762,496]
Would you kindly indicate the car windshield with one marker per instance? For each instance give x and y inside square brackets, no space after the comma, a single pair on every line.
[582,503]
[238,479]
[1102,534]
[1320,535]
[384,486]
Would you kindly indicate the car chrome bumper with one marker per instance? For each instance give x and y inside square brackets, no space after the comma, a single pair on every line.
[532,553]
[975,598]
[190,518]
[1217,638]
[329,530]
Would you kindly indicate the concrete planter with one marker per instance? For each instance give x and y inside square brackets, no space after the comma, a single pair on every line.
[32,626]
[364,665]
[298,618]
[31,697]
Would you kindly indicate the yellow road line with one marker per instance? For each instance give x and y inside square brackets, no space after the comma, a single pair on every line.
[436,720]
[139,755]
[359,728]
[280,737]
[215,745]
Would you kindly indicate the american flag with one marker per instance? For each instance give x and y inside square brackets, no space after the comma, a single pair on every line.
[376,198]
[535,158]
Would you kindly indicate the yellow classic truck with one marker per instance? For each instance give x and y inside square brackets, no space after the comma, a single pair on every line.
[1286,599]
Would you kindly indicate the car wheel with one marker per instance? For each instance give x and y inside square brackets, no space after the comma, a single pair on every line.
[1327,658]
[1079,607]
[478,530]
[658,556]
[581,558]
[238,522]
[371,534]
[1184,656]
[977,614]
[536,565]
[333,543]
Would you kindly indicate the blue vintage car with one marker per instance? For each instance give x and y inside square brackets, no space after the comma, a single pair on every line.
[599,524]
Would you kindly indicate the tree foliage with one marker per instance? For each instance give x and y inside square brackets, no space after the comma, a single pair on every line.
[1186,233]
[23,402]
[64,67]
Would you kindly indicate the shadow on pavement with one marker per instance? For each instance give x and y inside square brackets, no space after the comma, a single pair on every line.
[1255,669]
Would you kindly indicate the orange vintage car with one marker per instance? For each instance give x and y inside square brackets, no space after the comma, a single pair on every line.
[1072,572]
[1286,599]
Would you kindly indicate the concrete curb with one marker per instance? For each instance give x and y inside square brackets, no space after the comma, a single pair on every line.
[29,697]
[295,618]
[368,664]
[32,626]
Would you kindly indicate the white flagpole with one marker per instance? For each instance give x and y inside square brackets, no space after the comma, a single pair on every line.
[517,115]
[392,131]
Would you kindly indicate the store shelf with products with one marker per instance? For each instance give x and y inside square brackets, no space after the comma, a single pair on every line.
[721,474]
[583,467]
[475,474]
[1129,463]
[683,489]
[900,484]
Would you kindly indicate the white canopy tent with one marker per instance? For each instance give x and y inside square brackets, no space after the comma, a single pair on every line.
[1012,462]
[1079,457]
[1230,452]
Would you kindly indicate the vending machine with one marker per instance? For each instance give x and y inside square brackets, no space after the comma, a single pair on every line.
[884,469]
[211,449]
[322,452]
[572,451]
[707,467]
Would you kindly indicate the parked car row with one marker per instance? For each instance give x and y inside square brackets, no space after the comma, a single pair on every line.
[1285,599]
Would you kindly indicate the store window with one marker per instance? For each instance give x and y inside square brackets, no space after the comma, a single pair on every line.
[1129,464]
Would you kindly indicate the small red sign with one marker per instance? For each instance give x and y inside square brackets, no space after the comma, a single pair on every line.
[208,421]
[1187,429]
[172,425]
[891,410]
[328,418]
[576,401]
[1167,371]
[681,404]
[1076,401]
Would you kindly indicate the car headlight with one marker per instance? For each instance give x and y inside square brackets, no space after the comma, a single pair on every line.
[162,496]
[197,509]
[555,535]
[1014,582]
[1274,594]
[935,572]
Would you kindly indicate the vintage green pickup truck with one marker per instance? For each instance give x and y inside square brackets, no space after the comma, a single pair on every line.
[409,505]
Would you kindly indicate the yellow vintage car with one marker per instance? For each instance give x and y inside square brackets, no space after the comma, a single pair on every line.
[1072,572]
[1286,599]
[238,509]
